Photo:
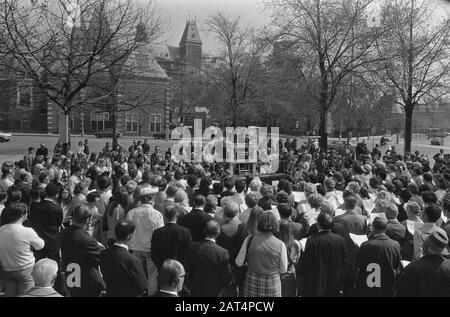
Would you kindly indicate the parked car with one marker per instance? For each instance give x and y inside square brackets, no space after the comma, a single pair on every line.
[106,134]
[159,135]
[341,146]
[5,137]
[437,141]
[437,133]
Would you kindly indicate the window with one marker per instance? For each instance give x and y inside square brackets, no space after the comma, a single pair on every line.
[24,95]
[155,123]
[100,122]
[132,122]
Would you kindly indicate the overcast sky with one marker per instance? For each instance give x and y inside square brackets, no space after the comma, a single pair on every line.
[252,13]
[177,11]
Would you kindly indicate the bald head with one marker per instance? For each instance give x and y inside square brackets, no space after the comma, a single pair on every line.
[44,273]
[171,276]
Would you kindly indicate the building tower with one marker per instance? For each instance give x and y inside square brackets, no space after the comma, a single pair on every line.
[191,46]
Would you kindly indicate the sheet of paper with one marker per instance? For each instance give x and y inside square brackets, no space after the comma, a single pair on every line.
[405,263]
[375,215]
[369,205]
[358,239]
[299,196]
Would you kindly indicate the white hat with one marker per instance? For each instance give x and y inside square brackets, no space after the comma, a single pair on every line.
[148,190]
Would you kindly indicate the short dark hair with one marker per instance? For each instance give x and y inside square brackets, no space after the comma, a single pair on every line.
[81,213]
[228,183]
[284,210]
[380,224]
[433,212]
[212,229]
[325,221]
[192,180]
[16,211]
[171,212]
[124,229]
[171,191]
[429,197]
[35,193]
[217,188]
[239,185]
[199,201]
[405,195]
[267,222]
[104,182]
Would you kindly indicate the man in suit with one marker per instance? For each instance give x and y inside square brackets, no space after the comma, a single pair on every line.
[170,241]
[122,271]
[47,222]
[322,264]
[81,256]
[395,230]
[428,276]
[170,278]
[378,262]
[42,151]
[207,264]
[44,275]
[356,224]
[195,220]
[29,159]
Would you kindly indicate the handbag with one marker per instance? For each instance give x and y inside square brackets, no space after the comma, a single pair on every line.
[239,274]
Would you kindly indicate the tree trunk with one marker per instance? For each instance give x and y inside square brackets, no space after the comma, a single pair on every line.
[409,109]
[64,132]
[323,128]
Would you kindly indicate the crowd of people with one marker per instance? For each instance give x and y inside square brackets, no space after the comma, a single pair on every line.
[127,222]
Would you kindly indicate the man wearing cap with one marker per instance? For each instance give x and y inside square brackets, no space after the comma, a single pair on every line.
[47,222]
[428,276]
[378,262]
[147,220]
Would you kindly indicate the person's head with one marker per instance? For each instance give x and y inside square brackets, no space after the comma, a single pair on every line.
[405,196]
[130,186]
[429,198]
[171,213]
[93,197]
[156,149]
[285,233]
[199,201]
[379,225]
[229,183]
[31,150]
[267,223]
[180,196]
[412,209]
[17,212]
[285,211]
[212,229]
[391,211]
[324,221]
[171,276]
[81,215]
[171,191]
[315,200]
[147,193]
[51,191]
[251,200]
[431,213]
[44,273]
[124,231]
[350,202]
[255,184]
[252,223]
[240,185]
[267,191]
[309,190]
[104,182]
[437,244]
[230,210]
[284,185]
[210,203]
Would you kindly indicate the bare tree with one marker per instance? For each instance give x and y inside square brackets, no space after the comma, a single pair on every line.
[62,46]
[415,56]
[237,60]
[333,40]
